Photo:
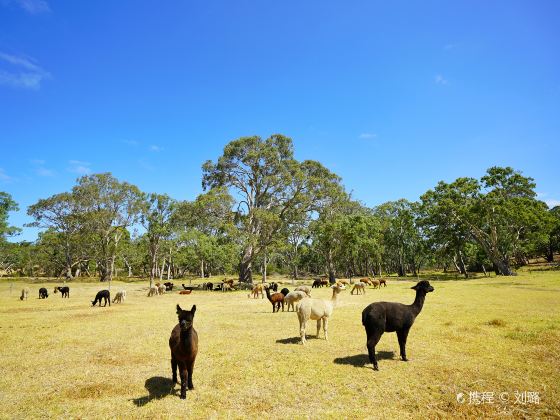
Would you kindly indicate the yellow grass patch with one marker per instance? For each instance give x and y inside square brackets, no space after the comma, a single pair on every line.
[63,358]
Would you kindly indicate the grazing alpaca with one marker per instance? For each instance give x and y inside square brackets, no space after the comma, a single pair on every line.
[324,282]
[293,297]
[276,299]
[184,347]
[317,309]
[382,282]
[64,290]
[24,293]
[43,293]
[316,283]
[161,289]
[152,291]
[168,286]
[359,287]
[119,296]
[305,289]
[366,280]
[102,294]
[259,288]
[380,317]
[374,283]
[344,282]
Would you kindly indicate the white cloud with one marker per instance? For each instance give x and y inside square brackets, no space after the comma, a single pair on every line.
[79,167]
[21,72]
[4,177]
[552,202]
[367,136]
[131,142]
[155,148]
[440,80]
[40,167]
[34,7]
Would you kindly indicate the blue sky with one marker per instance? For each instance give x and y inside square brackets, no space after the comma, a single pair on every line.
[392,96]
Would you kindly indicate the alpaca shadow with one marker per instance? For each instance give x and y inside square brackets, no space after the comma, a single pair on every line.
[295,340]
[158,387]
[360,360]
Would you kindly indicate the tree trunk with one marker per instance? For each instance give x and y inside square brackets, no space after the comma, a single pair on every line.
[264,267]
[245,272]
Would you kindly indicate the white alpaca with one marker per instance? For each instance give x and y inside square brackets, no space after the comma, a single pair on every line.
[24,293]
[153,291]
[161,289]
[317,309]
[359,287]
[305,289]
[120,296]
[293,297]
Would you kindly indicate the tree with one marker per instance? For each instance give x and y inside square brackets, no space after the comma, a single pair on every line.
[108,207]
[155,215]
[271,186]
[499,212]
[7,259]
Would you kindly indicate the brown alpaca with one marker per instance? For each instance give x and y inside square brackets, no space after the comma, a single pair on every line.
[184,348]
[382,282]
[366,280]
[185,292]
[276,299]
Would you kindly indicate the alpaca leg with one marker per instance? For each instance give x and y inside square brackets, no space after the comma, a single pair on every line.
[372,341]
[190,368]
[174,369]
[183,373]
[318,326]
[302,325]
[326,328]
[402,335]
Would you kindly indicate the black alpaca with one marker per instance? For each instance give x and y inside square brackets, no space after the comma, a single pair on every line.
[65,291]
[168,286]
[380,317]
[102,294]
[184,348]
[274,286]
[43,294]
[316,283]
[285,291]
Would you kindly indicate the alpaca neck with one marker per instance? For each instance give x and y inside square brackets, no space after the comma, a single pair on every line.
[334,298]
[268,294]
[186,335]
[418,302]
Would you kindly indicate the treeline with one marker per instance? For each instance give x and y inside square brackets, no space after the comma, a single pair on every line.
[261,210]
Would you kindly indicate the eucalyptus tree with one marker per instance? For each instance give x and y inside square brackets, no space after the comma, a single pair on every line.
[270,187]
[499,212]
[7,205]
[108,208]
[156,212]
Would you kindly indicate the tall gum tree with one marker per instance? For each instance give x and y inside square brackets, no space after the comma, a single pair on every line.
[270,187]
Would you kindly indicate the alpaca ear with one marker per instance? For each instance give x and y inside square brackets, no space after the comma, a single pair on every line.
[193,309]
[415,287]
[179,310]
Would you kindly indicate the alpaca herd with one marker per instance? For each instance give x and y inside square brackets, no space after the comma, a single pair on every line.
[377,318]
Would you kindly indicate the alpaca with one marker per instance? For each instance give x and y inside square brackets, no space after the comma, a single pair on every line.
[43,293]
[276,299]
[305,289]
[366,280]
[153,291]
[374,283]
[344,282]
[24,293]
[184,348]
[185,292]
[317,309]
[285,291]
[316,283]
[359,287]
[102,294]
[274,286]
[120,296]
[209,286]
[382,282]
[256,290]
[168,286]
[324,282]
[64,290]
[380,317]
[293,297]
[161,289]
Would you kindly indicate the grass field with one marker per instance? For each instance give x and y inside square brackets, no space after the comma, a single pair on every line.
[63,358]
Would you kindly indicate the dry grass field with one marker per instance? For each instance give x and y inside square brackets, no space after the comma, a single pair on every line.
[63,358]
